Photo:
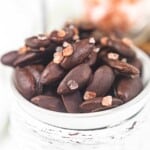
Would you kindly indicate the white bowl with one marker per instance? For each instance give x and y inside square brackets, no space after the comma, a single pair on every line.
[39,129]
[91,120]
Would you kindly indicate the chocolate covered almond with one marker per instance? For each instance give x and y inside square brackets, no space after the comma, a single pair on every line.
[88,106]
[100,103]
[118,46]
[49,102]
[110,103]
[38,41]
[32,58]
[75,79]
[9,58]
[25,82]
[128,88]
[81,51]
[101,83]
[122,67]
[66,34]
[25,59]
[51,73]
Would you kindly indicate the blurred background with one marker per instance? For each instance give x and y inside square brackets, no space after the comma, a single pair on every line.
[23,18]
[20,19]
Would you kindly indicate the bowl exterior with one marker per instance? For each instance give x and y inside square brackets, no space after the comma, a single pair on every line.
[40,129]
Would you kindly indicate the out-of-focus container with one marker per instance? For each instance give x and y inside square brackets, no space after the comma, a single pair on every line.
[36,128]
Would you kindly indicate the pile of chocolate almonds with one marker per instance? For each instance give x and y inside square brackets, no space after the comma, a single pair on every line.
[76,69]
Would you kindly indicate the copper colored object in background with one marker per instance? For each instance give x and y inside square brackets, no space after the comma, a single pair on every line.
[146,47]
[113,14]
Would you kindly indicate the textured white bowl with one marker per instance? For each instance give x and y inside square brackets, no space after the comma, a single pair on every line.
[33,127]
[96,119]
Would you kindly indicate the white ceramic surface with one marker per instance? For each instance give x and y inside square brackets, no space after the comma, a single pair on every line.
[40,129]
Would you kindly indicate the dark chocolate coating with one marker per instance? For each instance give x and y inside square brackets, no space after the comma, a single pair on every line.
[32,58]
[69,34]
[91,59]
[102,81]
[9,58]
[128,88]
[49,102]
[122,67]
[25,82]
[95,104]
[82,49]
[72,102]
[36,71]
[34,42]
[51,73]
[136,62]
[121,48]
[80,74]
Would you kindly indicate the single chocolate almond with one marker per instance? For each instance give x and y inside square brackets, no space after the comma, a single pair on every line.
[121,66]
[37,41]
[115,103]
[75,79]
[81,51]
[96,104]
[88,106]
[9,58]
[101,83]
[25,59]
[25,82]
[32,58]
[124,68]
[118,46]
[128,88]
[51,73]
[49,102]
[59,36]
